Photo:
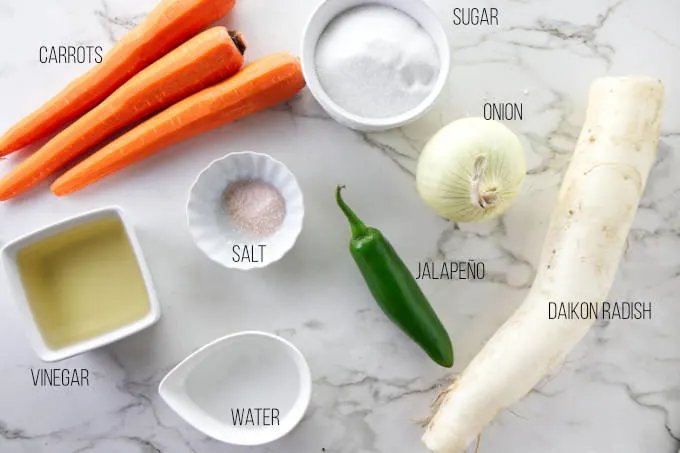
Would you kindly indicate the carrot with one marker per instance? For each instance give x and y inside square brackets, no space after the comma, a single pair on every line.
[200,62]
[169,24]
[258,85]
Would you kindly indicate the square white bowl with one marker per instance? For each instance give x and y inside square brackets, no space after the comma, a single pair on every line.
[9,260]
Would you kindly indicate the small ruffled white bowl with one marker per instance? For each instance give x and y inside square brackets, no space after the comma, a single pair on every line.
[213,230]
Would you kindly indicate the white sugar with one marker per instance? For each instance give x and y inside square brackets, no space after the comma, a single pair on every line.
[376,62]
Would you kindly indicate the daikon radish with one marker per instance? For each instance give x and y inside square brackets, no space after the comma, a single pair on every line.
[585,240]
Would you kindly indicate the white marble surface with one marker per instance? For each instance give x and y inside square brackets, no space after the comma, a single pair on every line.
[620,391]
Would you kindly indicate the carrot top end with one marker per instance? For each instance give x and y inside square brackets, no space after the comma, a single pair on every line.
[239,41]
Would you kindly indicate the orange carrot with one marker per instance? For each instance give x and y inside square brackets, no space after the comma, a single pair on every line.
[258,85]
[169,24]
[200,62]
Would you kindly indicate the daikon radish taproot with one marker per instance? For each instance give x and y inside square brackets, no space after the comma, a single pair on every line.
[585,241]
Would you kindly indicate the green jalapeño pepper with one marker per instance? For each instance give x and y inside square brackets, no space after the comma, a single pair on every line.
[395,289]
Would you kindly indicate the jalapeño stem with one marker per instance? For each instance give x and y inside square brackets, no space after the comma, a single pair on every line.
[358,227]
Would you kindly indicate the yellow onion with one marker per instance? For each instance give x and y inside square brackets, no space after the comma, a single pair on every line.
[471,170]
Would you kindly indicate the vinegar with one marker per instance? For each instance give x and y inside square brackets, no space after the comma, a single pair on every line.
[83,282]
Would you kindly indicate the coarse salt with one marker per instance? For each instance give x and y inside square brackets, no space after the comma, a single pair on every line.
[376,62]
[254,206]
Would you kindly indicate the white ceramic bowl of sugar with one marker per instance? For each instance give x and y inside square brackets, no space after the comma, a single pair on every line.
[219,235]
[219,388]
[325,14]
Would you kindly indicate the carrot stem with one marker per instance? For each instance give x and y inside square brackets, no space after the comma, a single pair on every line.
[200,62]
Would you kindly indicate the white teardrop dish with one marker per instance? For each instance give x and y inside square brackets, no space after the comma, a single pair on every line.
[236,372]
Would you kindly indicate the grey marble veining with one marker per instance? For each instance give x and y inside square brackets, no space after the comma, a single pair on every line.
[618,391]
